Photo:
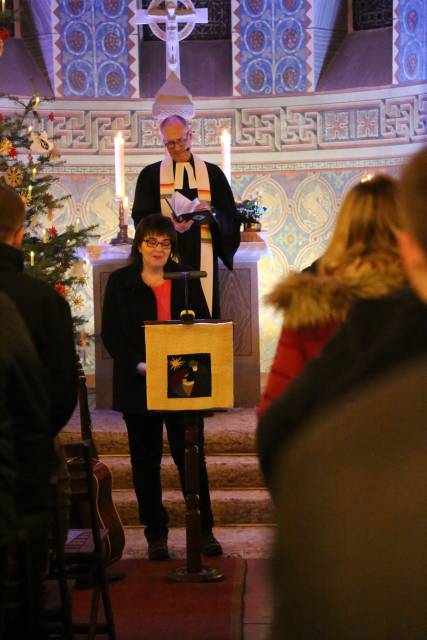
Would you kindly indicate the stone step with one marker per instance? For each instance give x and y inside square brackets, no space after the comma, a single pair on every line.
[226,472]
[236,507]
[225,432]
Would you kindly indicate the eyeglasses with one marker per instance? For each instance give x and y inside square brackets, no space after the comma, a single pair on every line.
[153,243]
[173,143]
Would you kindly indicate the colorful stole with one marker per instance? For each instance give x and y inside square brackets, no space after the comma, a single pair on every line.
[168,183]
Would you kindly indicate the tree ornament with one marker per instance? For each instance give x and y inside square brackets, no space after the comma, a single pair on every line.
[40,142]
[5,146]
[26,199]
[60,288]
[55,154]
[53,231]
[51,116]
[13,152]
[14,177]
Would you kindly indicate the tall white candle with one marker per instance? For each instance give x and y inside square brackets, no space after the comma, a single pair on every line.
[125,209]
[226,154]
[119,163]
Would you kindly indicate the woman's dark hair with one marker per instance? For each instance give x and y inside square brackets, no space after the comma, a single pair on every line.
[152,225]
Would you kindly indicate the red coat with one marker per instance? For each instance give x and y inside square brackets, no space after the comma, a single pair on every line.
[314,307]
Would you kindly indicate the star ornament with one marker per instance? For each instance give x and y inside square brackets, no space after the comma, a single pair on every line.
[176,363]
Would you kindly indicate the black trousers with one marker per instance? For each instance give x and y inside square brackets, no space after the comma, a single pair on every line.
[145,433]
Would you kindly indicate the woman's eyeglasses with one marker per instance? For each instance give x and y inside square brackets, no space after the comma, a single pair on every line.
[153,243]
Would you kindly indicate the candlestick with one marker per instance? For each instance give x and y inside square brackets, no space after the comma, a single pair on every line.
[226,153]
[119,163]
[125,210]
[32,258]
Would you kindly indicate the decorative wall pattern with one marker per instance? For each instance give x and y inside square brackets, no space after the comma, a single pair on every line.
[367,123]
[273,48]
[411,41]
[94,49]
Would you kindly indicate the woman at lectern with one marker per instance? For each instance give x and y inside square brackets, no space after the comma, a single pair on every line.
[136,293]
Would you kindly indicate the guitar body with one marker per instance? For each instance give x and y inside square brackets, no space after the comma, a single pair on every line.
[108,517]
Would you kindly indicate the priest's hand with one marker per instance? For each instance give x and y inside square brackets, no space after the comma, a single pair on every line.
[182,227]
[203,205]
[141,367]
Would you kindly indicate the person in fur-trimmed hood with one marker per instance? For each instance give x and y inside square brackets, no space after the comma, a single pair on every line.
[361,262]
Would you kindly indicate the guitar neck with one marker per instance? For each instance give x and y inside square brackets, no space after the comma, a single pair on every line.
[85,419]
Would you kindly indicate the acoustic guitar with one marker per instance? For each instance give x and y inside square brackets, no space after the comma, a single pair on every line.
[108,517]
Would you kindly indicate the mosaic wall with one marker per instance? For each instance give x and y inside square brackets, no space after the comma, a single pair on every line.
[411,41]
[272,46]
[94,49]
[301,205]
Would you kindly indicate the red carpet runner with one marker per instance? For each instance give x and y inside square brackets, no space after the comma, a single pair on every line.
[145,606]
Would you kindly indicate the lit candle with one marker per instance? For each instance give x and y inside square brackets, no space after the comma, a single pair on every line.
[33,173]
[32,258]
[125,209]
[226,154]
[44,235]
[30,188]
[119,162]
[3,6]
[36,103]
[77,226]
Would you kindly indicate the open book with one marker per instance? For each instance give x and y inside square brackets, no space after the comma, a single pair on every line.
[182,209]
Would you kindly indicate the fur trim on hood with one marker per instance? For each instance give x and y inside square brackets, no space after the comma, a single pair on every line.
[309,300]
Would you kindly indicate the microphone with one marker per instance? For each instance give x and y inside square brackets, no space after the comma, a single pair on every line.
[184,275]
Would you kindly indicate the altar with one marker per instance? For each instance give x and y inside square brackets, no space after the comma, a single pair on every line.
[239,303]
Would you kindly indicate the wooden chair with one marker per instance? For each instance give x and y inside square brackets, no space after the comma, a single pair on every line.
[58,586]
[84,551]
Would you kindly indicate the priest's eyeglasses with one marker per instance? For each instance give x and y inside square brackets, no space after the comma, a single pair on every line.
[153,243]
[175,143]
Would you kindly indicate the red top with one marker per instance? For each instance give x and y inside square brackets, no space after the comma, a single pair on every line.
[163,299]
[294,349]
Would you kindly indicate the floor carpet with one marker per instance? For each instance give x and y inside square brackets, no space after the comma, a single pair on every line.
[145,605]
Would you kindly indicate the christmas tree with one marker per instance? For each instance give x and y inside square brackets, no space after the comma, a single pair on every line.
[26,155]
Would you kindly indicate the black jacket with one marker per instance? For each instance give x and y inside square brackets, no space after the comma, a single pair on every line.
[48,318]
[128,302]
[377,335]
[26,447]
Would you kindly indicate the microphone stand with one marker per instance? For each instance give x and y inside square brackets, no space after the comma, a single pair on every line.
[193,571]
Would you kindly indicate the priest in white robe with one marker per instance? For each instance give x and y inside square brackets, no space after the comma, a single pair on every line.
[181,170]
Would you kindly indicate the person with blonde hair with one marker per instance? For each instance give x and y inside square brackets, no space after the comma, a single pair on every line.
[361,261]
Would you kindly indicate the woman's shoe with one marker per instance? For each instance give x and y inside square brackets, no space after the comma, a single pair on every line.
[158,549]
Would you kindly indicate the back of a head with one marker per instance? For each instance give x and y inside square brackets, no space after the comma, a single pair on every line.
[366,223]
[413,196]
[12,213]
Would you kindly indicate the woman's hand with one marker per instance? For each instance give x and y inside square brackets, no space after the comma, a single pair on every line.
[141,367]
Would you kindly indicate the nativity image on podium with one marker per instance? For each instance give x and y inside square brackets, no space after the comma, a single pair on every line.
[189,365]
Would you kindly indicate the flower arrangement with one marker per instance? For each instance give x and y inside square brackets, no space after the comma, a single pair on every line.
[251,211]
